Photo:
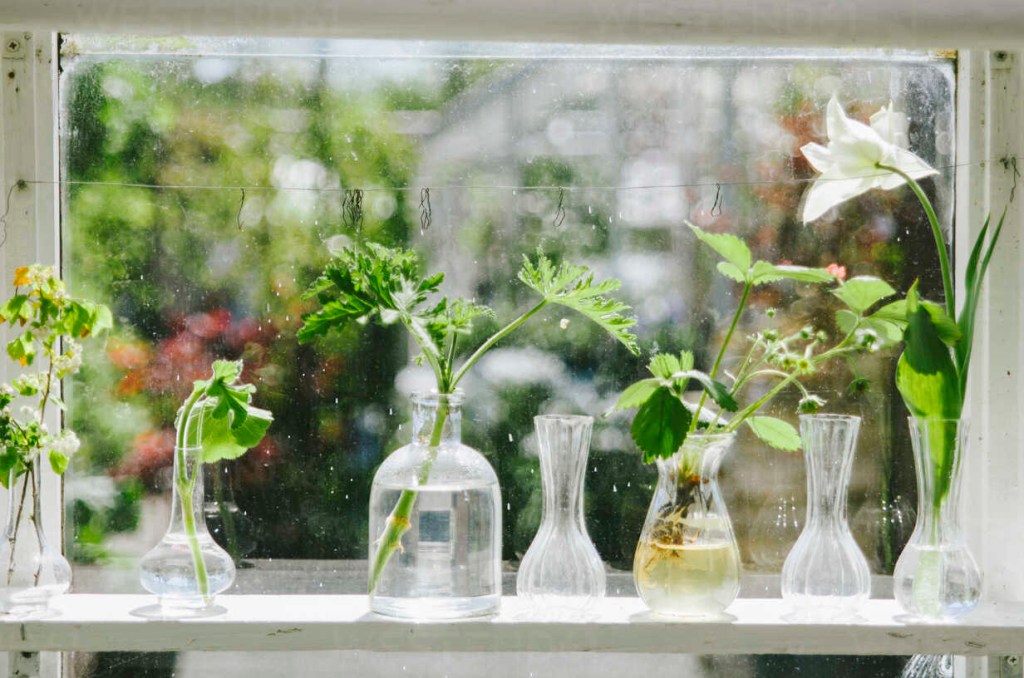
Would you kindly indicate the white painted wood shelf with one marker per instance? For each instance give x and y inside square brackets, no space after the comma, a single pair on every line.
[755,626]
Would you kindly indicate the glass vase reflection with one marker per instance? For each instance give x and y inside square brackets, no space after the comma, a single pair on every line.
[826,576]
[687,562]
[562,572]
[936,577]
[435,522]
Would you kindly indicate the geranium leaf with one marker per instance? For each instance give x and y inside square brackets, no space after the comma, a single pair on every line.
[660,425]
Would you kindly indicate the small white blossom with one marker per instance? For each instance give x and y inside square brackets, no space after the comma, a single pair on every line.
[70,361]
[7,390]
[66,443]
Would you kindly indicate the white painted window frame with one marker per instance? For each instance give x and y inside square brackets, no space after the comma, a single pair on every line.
[990,127]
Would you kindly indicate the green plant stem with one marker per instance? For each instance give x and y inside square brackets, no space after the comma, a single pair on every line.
[185,486]
[940,243]
[398,522]
[494,339]
[747,286]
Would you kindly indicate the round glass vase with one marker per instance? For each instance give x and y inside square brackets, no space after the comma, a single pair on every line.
[187,569]
[562,572]
[936,577]
[687,563]
[33,572]
[826,576]
[437,504]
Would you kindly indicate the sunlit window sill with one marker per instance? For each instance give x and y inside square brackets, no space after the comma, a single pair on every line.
[95,622]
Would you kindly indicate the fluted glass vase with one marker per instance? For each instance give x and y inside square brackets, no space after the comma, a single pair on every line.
[687,563]
[435,522]
[34,572]
[562,571]
[936,577]
[187,569]
[826,576]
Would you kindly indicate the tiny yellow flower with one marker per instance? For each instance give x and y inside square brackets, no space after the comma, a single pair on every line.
[21,276]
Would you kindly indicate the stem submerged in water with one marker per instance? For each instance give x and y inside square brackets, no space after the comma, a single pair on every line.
[185,486]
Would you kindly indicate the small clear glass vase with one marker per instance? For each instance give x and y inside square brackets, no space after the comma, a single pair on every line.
[33,571]
[435,522]
[936,577]
[187,569]
[687,563]
[562,572]
[826,576]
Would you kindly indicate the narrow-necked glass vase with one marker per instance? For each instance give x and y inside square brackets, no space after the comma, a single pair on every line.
[562,573]
[687,563]
[826,576]
[187,569]
[936,577]
[436,503]
[33,571]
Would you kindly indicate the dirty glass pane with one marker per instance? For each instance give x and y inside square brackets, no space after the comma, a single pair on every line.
[596,154]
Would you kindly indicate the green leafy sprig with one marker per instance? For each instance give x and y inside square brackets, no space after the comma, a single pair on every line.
[219,419]
[374,283]
[665,417]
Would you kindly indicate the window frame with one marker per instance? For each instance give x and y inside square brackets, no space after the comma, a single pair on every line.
[990,131]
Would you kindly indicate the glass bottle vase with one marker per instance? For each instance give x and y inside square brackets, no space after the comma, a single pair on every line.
[826,576]
[435,522]
[187,569]
[33,571]
[936,577]
[687,562]
[562,571]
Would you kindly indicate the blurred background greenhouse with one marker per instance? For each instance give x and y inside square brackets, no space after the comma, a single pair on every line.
[596,155]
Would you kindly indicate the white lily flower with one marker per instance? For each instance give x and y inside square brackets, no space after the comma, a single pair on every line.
[849,165]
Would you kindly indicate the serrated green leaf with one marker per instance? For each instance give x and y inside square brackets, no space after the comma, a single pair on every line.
[637,394]
[660,425]
[775,432]
[730,271]
[728,246]
[846,320]
[863,292]
[574,287]
[664,365]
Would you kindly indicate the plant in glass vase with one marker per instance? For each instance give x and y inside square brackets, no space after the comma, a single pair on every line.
[687,562]
[936,576]
[436,502]
[49,327]
[217,421]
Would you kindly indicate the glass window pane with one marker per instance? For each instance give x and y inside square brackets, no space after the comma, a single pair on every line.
[597,154]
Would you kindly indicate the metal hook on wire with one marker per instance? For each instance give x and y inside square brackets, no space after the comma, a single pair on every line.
[426,213]
[352,208]
[716,207]
[560,209]
[1010,163]
[19,184]
[238,215]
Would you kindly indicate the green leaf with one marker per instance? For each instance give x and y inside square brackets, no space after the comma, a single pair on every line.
[59,462]
[730,271]
[863,292]
[775,432]
[227,371]
[574,287]
[764,272]
[896,314]
[925,374]
[16,308]
[660,425]
[977,267]
[664,365]
[22,349]
[222,441]
[729,247]
[637,394]
[718,391]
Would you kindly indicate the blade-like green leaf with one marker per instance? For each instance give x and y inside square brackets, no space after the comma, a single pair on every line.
[775,432]
[973,280]
[926,375]
[729,247]
[637,394]
[896,314]
[660,425]
[863,292]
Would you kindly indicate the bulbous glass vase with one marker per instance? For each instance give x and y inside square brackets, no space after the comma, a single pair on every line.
[826,576]
[936,577]
[435,522]
[562,572]
[187,569]
[687,563]
[33,571]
